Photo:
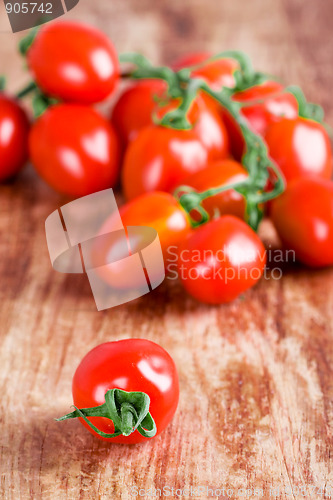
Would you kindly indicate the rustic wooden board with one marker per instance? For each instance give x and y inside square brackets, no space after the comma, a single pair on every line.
[256,376]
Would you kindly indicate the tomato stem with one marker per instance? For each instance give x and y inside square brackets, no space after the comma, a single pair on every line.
[28,89]
[129,411]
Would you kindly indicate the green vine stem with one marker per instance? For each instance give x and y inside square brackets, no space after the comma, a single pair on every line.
[129,411]
[256,159]
[2,83]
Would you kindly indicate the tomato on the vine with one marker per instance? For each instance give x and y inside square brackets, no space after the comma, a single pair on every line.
[262,105]
[135,107]
[300,147]
[220,260]
[160,157]
[265,104]
[216,175]
[303,218]
[75,149]
[158,210]
[217,73]
[14,131]
[131,365]
[73,62]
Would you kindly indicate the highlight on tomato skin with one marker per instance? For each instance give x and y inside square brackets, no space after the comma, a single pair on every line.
[218,73]
[135,107]
[75,149]
[300,147]
[220,260]
[215,175]
[131,365]
[158,210]
[303,218]
[74,62]
[14,132]
[263,105]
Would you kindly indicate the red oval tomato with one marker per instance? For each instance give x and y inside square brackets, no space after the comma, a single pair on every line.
[73,62]
[14,130]
[75,150]
[130,365]
[216,175]
[220,260]
[135,107]
[300,147]
[303,217]
[159,159]
[218,73]
[263,105]
[158,210]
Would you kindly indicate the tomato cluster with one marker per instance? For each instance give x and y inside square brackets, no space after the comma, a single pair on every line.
[202,149]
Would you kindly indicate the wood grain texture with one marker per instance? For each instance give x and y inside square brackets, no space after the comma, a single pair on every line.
[255,376]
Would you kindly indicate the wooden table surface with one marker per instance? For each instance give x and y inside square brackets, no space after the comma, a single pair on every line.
[256,376]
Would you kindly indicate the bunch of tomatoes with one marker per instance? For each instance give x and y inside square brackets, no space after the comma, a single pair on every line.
[202,149]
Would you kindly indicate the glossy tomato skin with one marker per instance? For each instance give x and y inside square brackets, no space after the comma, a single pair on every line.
[158,210]
[263,105]
[73,62]
[130,365]
[300,147]
[216,175]
[267,103]
[75,150]
[14,131]
[159,159]
[220,260]
[135,107]
[218,73]
[303,218]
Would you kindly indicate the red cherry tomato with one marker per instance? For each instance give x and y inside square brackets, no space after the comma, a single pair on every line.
[73,62]
[303,217]
[14,130]
[264,104]
[158,210]
[216,175]
[220,260]
[75,150]
[300,147]
[135,107]
[130,365]
[218,73]
[276,103]
[160,158]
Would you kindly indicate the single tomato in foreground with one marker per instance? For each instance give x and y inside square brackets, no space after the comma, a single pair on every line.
[216,175]
[14,131]
[134,382]
[220,260]
[75,150]
[300,147]
[73,62]
[303,218]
